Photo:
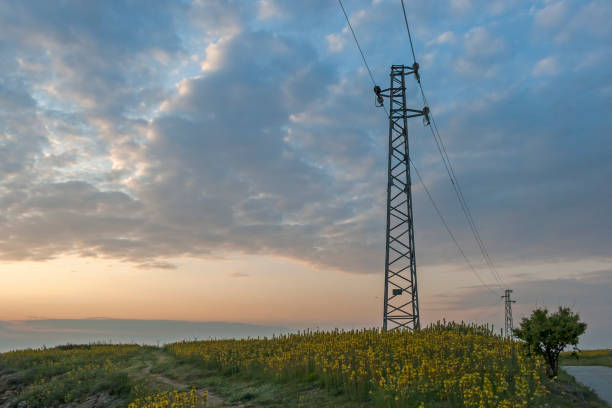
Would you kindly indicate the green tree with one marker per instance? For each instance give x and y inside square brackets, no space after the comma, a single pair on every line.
[549,334]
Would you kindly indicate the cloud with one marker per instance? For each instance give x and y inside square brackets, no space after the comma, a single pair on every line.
[569,20]
[481,42]
[335,42]
[49,219]
[552,14]
[546,66]
[483,53]
[281,202]
[447,37]
[157,265]
[268,9]
[209,130]
[238,275]
[460,6]
[215,57]
[584,288]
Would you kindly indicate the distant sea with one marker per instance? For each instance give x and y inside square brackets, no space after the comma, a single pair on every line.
[23,334]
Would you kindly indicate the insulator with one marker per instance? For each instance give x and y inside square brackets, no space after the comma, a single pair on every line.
[379,98]
[415,69]
[426,116]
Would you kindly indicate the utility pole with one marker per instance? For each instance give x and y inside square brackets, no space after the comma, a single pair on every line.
[508,304]
[401,300]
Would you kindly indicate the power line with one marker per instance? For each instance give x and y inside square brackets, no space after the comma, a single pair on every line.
[450,232]
[457,187]
[438,212]
[357,42]
[408,29]
[451,172]
[463,203]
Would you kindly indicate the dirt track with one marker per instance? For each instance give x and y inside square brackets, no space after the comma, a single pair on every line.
[213,401]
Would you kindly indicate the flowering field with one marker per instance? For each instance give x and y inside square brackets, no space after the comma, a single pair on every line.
[174,399]
[448,364]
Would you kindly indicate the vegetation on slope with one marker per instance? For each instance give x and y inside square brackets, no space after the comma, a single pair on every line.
[49,377]
[442,366]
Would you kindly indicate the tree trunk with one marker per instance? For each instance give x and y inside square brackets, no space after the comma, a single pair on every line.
[553,364]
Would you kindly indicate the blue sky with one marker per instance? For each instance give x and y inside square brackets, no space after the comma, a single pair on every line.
[204,129]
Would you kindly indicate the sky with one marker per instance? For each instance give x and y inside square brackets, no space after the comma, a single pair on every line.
[224,161]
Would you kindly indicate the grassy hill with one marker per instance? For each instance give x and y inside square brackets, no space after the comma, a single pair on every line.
[442,366]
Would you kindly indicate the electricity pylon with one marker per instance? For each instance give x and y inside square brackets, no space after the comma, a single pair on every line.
[401,300]
[508,305]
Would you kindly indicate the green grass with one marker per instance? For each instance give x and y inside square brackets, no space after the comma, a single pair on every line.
[587,358]
[67,374]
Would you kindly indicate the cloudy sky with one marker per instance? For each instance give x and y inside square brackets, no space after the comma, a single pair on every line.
[218,160]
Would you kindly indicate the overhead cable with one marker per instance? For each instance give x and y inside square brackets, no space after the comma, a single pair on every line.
[450,232]
[451,172]
[357,42]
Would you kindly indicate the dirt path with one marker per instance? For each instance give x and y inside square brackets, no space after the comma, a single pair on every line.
[598,378]
[212,401]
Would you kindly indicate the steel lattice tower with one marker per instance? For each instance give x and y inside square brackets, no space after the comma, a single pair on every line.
[401,301]
[508,319]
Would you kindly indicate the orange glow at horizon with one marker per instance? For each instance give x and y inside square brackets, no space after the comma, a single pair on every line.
[240,288]
[252,289]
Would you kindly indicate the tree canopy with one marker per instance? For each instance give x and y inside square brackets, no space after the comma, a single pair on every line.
[549,334]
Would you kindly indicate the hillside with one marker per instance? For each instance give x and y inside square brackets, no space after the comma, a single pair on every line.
[442,366]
